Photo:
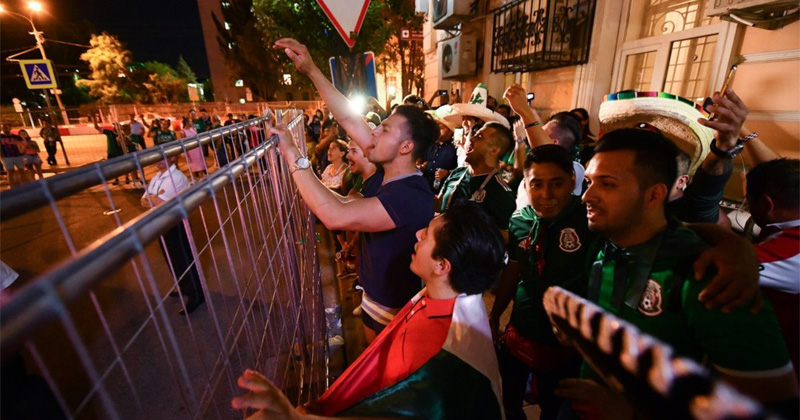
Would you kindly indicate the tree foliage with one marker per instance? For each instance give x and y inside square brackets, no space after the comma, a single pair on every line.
[113,78]
[107,59]
[246,41]
[184,71]
[246,50]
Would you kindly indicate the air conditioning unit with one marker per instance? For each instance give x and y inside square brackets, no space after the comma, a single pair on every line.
[765,14]
[457,56]
[447,14]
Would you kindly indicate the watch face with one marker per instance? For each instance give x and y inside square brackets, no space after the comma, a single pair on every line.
[303,163]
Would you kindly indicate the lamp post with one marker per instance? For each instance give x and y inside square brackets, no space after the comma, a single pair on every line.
[35,6]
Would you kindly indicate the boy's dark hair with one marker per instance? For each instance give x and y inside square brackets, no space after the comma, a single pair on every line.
[550,153]
[779,179]
[327,123]
[472,243]
[570,126]
[420,127]
[503,137]
[684,163]
[656,160]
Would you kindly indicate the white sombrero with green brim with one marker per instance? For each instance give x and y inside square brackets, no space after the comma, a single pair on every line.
[476,108]
[675,116]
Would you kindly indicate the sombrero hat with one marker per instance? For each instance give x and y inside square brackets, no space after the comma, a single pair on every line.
[439,115]
[675,116]
[477,108]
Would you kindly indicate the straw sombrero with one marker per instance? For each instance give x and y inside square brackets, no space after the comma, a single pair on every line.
[674,116]
[476,108]
[439,115]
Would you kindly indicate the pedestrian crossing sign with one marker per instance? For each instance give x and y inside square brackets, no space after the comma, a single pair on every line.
[38,74]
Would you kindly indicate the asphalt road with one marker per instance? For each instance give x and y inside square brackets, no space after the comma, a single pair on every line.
[153,363]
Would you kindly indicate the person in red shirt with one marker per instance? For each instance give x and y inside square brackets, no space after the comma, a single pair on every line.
[436,358]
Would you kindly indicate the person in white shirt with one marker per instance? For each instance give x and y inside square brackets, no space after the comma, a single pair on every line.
[168,183]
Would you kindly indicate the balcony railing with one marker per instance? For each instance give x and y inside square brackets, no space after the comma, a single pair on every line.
[530,35]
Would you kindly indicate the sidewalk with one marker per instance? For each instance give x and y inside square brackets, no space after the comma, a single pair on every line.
[85,150]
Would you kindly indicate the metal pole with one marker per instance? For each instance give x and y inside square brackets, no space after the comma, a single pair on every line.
[38,36]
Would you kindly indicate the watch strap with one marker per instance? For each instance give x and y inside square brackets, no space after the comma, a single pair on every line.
[729,154]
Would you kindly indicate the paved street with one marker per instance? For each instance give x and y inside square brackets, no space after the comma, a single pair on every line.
[138,317]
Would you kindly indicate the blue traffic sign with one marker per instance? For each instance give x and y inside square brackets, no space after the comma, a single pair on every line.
[38,74]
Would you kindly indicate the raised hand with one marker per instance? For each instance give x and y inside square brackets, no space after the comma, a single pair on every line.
[298,53]
[731,113]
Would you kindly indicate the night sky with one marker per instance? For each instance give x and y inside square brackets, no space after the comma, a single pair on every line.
[159,30]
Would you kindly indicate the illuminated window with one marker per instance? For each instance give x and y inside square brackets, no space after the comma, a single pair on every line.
[669,45]
[287,79]
[227,26]
[239,83]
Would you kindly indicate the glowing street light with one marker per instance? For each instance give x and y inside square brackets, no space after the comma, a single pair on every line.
[36,6]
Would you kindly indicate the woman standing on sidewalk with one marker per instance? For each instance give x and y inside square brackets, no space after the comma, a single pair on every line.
[31,154]
[195,157]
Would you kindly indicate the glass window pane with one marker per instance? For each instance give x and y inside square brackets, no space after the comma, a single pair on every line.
[638,71]
[689,67]
[661,17]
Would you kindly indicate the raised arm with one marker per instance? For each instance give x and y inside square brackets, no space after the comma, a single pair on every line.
[731,112]
[517,98]
[338,104]
[757,151]
[336,212]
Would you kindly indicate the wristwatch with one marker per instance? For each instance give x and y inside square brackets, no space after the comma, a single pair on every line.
[729,154]
[301,163]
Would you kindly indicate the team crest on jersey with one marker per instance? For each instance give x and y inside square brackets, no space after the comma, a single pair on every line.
[569,240]
[650,304]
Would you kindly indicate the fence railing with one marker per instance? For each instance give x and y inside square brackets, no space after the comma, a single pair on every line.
[119,348]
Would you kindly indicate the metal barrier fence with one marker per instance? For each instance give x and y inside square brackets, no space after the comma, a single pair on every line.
[658,382]
[120,350]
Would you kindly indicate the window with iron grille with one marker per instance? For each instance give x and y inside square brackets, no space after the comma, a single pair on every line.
[530,35]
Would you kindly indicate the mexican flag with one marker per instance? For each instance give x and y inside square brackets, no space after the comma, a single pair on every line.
[460,381]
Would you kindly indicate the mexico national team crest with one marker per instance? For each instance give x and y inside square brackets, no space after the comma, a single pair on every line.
[650,304]
[569,240]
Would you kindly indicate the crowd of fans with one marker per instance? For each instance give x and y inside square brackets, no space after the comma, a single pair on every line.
[625,219]
[433,208]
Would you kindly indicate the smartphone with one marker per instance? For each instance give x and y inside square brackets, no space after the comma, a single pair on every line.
[442,92]
[728,83]
[458,136]
[531,96]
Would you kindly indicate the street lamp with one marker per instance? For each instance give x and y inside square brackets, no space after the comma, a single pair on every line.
[36,6]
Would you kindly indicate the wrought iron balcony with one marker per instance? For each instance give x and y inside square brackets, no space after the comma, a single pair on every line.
[530,35]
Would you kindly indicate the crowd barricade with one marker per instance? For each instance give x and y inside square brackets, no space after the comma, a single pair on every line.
[646,370]
[99,334]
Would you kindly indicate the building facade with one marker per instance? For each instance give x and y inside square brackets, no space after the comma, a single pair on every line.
[572,52]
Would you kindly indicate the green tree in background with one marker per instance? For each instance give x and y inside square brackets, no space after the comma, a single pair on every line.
[108,62]
[184,71]
[114,79]
[247,52]
[246,32]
